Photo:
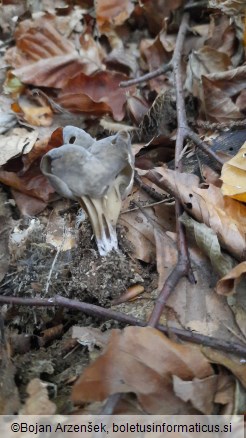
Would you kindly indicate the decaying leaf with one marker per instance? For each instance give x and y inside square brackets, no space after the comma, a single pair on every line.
[42,56]
[20,141]
[218,105]
[33,114]
[156,13]
[115,13]
[140,233]
[131,293]
[233,176]
[90,336]
[9,396]
[19,237]
[60,231]
[96,94]
[207,241]
[210,78]
[7,121]
[230,7]
[38,402]
[228,284]
[236,365]
[128,366]
[190,391]
[233,286]
[166,256]
[202,62]
[224,215]
[33,183]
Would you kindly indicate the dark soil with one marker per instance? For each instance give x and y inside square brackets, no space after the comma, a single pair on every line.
[78,274]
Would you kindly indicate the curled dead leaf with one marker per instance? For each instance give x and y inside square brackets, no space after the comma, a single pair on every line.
[228,284]
[97,94]
[224,215]
[127,365]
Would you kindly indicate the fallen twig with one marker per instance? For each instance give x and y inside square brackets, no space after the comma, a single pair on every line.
[183,267]
[151,192]
[100,312]
[175,66]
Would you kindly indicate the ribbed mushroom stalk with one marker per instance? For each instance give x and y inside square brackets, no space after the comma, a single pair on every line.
[99,174]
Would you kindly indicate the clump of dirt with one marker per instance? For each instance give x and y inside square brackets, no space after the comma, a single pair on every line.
[79,273]
[102,279]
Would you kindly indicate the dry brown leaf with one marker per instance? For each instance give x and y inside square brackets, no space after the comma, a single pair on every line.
[40,148]
[33,114]
[228,284]
[204,312]
[61,233]
[225,216]
[191,391]
[233,285]
[53,72]
[38,402]
[19,141]
[202,62]
[153,52]
[38,39]
[229,7]
[45,57]
[28,205]
[231,82]
[166,256]
[137,107]
[97,94]
[122,59]
[143,361]
[91,54]
[9,396]
[131,293]
[233,175]
[112,14]
[33,183]
[90,336]
[226,391]
[139,227]
[139,232]
[222,34]
[232,363]
[241,100]
[218,105]
[155,13]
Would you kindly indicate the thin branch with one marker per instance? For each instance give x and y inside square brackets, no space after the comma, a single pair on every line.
[151,192]
[153,204]
[91,309]
[153,74]
[220,126]
[202,145]
[175,66]
[183,267]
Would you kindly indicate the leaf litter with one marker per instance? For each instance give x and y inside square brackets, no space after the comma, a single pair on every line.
[78,58]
